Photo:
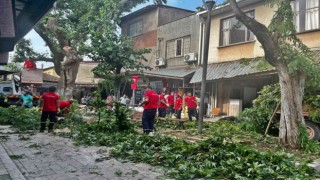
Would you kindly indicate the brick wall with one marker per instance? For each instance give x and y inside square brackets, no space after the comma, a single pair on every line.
[146,40]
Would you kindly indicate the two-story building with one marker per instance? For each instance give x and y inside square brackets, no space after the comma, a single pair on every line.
[142,25]
[236,71]
[178,53]
[146,27]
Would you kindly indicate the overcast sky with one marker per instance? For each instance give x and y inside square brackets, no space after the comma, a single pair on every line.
[39,45]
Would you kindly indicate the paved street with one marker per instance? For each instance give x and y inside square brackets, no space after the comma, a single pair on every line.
[45,156]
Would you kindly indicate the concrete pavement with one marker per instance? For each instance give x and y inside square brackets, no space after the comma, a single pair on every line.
[45,157]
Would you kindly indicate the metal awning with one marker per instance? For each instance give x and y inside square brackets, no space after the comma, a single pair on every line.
[5,71]
[26,14]
[225,70]
[178,73]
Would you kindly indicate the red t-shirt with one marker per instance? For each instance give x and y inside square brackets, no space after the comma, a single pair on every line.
[170,100]
[161,104]
[153,100]
[178,104]
[191,102]
[50,101]
[64,104]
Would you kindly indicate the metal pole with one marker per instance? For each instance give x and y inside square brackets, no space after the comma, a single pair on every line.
[205,64]
[133,98]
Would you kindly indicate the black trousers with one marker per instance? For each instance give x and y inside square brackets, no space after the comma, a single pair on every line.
[170,109]
[148,117]
[162,112]
[192,112]
[44,117]
[178,112]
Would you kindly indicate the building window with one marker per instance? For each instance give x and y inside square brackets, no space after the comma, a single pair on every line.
[135,28]
[6,89]
[233,31]
[170,49]
[178,47]
[186,45]
[306,14]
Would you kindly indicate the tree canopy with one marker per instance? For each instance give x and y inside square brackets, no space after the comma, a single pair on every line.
[91,28]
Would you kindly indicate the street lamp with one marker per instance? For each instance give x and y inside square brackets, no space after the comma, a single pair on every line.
[209,6]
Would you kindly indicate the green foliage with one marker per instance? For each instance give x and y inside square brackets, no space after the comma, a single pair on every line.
[13,67]
[72,119]
[306,143]
[113,50]
[105,133]
[208,159]
[314,102]
[121,114]
[218,157]
[24,50]
[75,19]
[98,103]
[97,21]
[256,118]
[21,118]
[298,57]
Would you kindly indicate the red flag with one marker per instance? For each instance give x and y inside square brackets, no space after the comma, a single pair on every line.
[133,86]
[135,79]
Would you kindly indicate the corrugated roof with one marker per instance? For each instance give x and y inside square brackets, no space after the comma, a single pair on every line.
[170,73]
[230,69]
[85,76]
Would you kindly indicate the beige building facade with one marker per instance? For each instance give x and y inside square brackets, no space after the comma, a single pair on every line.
[231,84]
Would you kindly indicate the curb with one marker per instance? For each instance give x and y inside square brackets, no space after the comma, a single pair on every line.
[11,167]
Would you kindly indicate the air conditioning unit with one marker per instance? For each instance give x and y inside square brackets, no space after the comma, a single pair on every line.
[190,57]
[160,62]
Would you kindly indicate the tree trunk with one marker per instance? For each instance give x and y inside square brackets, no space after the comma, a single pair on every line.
[67,78]
[70,79]
[292,91]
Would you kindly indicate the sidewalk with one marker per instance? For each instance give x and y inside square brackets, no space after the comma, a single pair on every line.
[45,157]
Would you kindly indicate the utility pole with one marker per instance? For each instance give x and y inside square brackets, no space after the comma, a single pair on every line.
[209,6]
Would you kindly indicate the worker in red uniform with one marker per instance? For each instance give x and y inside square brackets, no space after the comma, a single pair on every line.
[150,105]
[170,100]
[163,105]
[191,102]
[50,107]
[65,106]
[178,109]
